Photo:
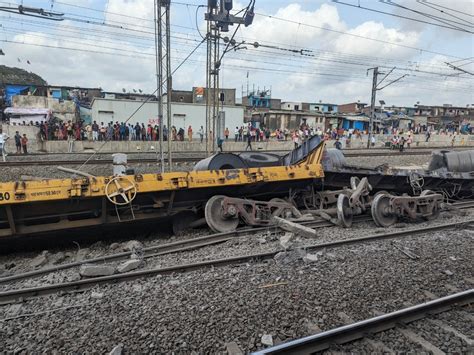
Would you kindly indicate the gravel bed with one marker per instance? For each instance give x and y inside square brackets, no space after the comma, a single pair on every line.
[459,321]
[203,310]
[253,243]
[51,172]
[102,156]
[440,338]
[397,160]
[14,173]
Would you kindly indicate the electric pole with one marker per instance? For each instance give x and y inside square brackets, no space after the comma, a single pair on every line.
[372,104]
[219,19]
[375,88]
[163,73]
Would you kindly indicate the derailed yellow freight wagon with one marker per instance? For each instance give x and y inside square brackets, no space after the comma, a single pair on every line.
[32,207]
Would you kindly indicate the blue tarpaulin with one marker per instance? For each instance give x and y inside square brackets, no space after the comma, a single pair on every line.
[12,90]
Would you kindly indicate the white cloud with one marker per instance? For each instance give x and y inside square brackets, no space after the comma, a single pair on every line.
[344,83]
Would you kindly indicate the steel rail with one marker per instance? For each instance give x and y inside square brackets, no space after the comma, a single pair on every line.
[190,159]
[21,294]
[348,333]
[168,248]
[414,148]
[187,245]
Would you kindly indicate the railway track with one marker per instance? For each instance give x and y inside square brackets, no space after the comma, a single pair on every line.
[168,248]
[189,244]
[26,293]
[189,159]
[361,330]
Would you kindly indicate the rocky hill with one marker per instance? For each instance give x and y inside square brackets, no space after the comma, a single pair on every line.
[11,75]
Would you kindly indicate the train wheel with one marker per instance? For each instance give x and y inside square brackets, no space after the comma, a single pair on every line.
[344,211]
[215,218]
[381,211]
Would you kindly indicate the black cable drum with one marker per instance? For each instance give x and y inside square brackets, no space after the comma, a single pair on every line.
[333,158]
[220,161]
[460,162]
[257,160]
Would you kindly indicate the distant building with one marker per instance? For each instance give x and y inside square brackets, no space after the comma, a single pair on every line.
[225,96]
[353,107]
[288,119]
[292,106]
[183,114]
[323,107]
[261,100]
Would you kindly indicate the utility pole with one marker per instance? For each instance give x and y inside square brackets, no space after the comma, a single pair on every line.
[219,19]
[159,78]
[375,88]
[163,73]
[212,78]
[372,104]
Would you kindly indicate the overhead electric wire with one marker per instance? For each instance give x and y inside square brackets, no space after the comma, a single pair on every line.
[316,57]
[358,6]
[128,29]
[448,8]
[425,3]
[306,25]
[357,36]
[433,17]
[254,53]
[152,95]
[333,68]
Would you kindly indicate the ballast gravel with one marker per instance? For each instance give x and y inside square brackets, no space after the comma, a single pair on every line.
[203,310]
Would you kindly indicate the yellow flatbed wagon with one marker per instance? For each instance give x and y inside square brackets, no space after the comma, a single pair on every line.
[32,207]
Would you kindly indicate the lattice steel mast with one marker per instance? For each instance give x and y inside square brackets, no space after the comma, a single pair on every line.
[163,73]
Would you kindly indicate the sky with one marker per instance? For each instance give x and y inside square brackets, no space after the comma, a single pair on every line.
[110,44]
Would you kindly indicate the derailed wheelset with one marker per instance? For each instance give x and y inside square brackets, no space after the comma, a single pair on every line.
[224,214]
[387,209]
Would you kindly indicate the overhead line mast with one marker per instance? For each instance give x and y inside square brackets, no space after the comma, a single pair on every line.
[219,19]
[163,74]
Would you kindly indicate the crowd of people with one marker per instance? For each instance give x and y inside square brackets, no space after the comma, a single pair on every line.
[21,143]
[72,131]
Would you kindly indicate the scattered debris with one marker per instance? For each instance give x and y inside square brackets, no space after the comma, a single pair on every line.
[289,257]
[59,258]
[286,241]
[407,252]
[82,253]
[267,340]
[90,270]
[129,265]
[310,258]
[97,295]
[133,245]
[40,260]
[117,350]
[233,349]
[114,246]
[14,310]
[295,227]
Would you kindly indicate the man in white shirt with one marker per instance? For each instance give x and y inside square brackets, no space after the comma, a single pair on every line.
[3,140]
[201,133]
